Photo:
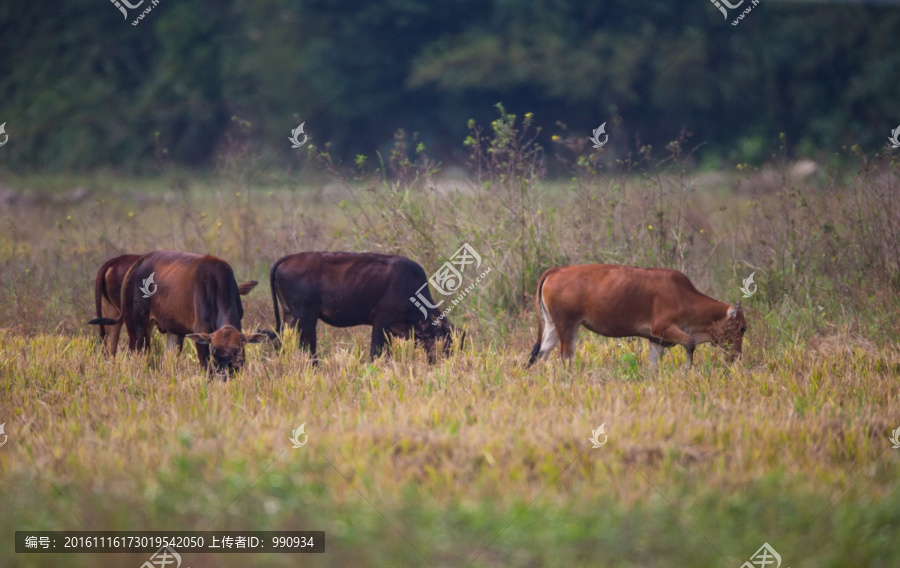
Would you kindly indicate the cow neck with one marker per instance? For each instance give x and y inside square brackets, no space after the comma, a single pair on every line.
[706,311]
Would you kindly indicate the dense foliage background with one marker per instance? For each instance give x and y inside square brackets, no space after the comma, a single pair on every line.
[81,88]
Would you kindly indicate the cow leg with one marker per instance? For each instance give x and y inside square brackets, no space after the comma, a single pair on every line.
[305,327]
[670,334]
[287,320]
[102,329]
[142,339]
[689,361]
[379,339]
[308,339]
[112,338]
[103,340]
[174,341]
[656,352]
[567,336]
[139,333]
[109,335]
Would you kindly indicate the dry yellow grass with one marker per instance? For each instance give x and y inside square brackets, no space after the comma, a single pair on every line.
[475,426]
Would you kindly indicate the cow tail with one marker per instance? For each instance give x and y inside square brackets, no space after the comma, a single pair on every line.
[275,295]
[99,293]
[129,285]
[539,308]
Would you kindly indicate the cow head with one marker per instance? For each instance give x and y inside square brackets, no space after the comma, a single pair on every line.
[226,346]
[728,333]
[428,334]
[444,332]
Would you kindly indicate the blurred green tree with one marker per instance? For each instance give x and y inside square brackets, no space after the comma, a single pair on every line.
[80,88]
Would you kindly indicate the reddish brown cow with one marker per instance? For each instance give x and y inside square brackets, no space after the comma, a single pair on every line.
[108,300]
[190,295]
[658,304]
[347,289]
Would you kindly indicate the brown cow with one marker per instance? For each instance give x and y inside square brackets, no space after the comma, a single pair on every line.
[108,300]
[346,289]
[187,295]
[658,304]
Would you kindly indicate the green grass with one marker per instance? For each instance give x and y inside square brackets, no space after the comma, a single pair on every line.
[682,527]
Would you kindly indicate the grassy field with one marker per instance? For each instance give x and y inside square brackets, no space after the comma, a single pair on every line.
[473,461]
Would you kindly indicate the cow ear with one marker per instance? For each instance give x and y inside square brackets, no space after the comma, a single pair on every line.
[733,310]
[256,338]
[246,287]
[199,337]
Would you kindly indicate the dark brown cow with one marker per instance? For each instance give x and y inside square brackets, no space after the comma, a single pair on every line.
[190,295]
[346,289]
[658,304]
[108,300]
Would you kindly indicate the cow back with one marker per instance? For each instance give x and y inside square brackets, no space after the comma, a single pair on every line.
[194,293]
